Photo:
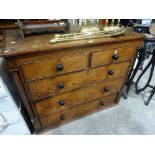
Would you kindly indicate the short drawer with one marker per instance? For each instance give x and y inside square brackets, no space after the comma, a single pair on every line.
[109,72]
[52,67]
[78,96]
[117,70]
[112,56]
[79,111]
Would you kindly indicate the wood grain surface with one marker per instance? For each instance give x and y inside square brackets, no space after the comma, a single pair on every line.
[62,82]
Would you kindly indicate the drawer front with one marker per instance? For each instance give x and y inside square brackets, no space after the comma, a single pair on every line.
[112,55]
[117,70]
[113,71]
[78,96]
[52,86]
[68,115]
[43,88]
[52,67]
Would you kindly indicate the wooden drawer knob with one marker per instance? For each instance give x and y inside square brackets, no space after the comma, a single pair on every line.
[61,85]
[106,89]
[110,72]
[115,56]
[61,102]
[62,117]
[59,67]
[101,102]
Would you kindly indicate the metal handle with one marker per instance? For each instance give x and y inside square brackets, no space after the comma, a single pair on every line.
[106,89]
[59,67]
[61,85]
[61,102]
[62,117]
[110,72]
[115,56]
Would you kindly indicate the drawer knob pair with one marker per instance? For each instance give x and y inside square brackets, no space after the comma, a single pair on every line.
[59,67]
[61,102]
[110,72]
[61,85]
[62,117]
[115,56]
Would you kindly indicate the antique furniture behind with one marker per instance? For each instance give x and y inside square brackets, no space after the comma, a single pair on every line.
[2,39]
[42,26]
[151,65]
[61,82]
[144,52]
[6,24]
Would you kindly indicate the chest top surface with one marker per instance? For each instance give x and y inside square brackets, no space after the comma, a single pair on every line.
[15,45]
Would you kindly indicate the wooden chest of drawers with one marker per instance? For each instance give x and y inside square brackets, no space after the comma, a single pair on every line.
[62,82]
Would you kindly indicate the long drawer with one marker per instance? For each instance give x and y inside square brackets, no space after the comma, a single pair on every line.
[78,96]
[46,87]
[68,115]
[108,56]
[55,66]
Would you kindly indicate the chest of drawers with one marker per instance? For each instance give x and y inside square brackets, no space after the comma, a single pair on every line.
[62,82]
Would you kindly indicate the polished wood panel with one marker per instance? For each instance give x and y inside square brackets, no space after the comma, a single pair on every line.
[18,60]
[68,115]
[51,67]
[78,96]
[59,82]
[37,44]
[108,56]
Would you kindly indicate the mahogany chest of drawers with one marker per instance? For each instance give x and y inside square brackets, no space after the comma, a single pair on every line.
[62,82]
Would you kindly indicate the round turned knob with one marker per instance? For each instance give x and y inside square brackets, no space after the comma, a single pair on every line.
[101,102]
[106,89]
[115,56]
[61,102]
[62,117]
[59,67]
[61,85]
[110,72]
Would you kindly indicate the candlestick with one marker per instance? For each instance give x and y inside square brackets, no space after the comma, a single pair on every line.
[112,22]
[106,22]
[118,22]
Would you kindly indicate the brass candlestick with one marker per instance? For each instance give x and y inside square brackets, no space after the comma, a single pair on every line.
[112,22]
[118,22]
[106,22]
